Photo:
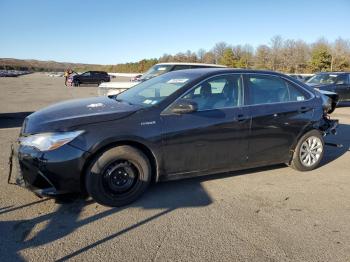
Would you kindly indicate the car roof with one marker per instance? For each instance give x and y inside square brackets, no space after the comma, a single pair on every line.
[332,73]
[195,64]
[214,71]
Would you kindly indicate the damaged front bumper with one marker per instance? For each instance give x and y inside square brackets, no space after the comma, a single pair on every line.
[47,173]
[16,177]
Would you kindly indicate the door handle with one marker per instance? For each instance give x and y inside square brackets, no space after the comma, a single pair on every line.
[242,118]
[304,109]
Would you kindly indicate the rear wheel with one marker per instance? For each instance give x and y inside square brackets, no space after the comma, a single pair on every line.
[118,176]
[308,152]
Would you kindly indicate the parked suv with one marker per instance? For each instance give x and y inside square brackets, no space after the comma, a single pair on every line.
[91,77]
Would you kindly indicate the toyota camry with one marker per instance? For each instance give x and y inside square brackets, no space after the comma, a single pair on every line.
[181,124]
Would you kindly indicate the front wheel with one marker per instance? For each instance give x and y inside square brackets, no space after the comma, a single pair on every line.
[308,152]
[118,176]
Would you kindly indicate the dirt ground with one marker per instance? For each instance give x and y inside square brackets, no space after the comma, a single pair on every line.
[266,214]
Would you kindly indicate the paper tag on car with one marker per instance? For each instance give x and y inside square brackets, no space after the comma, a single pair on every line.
[178,81]
[300,98]
[147,101]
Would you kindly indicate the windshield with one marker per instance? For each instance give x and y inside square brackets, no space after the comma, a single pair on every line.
[155,90]
[323,79]
[154,71]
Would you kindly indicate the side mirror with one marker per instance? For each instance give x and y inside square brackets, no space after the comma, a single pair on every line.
[184,106]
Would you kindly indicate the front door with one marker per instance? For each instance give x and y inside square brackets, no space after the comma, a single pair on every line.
[214,138]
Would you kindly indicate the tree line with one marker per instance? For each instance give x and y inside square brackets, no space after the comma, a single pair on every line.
[288,56]
[284,55]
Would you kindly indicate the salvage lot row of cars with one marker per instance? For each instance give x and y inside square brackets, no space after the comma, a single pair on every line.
[13,73]
[180,124]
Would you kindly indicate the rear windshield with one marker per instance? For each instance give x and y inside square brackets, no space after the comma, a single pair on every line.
[156,70]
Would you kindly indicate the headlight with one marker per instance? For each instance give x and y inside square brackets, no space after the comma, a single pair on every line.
[49,141]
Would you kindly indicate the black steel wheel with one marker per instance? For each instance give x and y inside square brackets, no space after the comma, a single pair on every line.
[118,176]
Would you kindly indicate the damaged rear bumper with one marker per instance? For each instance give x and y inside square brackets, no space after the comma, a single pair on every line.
[329,126]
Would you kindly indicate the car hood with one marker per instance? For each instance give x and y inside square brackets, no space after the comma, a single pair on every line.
[70,114]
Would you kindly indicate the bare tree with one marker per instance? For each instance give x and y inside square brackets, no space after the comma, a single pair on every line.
[218,50]
[200,55]
[340,55]
[262,57]
[276,45]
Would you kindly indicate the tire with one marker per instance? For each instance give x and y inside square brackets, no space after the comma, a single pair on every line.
[76,83]
[118,176]
[308,152]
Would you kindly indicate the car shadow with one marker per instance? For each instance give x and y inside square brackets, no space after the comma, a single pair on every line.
[342,138]
[23,234]
[9,120]
[165,197]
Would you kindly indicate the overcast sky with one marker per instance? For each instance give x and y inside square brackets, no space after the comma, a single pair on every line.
[110,32]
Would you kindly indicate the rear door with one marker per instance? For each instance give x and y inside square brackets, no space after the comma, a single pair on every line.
[96,78]
[279,110]
[214,138]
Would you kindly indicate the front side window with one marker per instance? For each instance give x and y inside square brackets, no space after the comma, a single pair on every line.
[218,92]
[270,89]
[323,78]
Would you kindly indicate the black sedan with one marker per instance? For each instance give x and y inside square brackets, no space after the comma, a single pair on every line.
[338,82]
[181,124]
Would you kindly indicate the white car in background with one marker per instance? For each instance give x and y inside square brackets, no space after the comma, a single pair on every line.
[55,74]
[114,88]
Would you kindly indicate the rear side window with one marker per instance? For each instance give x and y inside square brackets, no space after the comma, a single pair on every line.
[265,89]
